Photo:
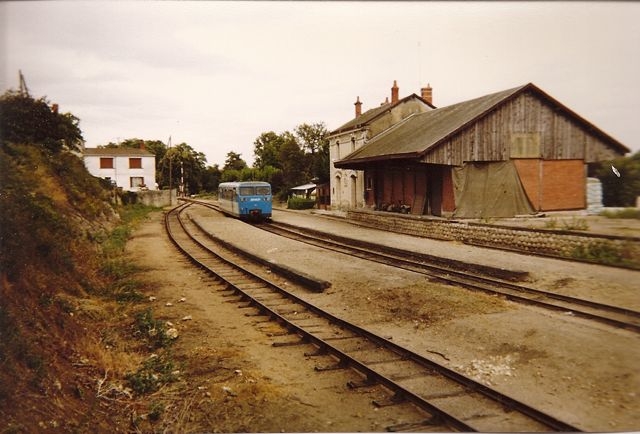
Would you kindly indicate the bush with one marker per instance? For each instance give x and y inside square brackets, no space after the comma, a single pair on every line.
[604,253]
[300,203]
[627,213]
[154,372]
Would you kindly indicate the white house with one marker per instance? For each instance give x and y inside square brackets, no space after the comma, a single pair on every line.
[349,189]
[131,169]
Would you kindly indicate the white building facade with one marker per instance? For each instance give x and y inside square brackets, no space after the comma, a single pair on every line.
[348,187]
[130,169]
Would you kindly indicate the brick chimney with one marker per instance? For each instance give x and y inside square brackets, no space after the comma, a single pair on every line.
[358,105]
[427,94]
[394,93]
[54,108]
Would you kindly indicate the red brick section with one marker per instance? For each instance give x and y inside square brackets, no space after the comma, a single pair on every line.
[529,173]
[553,185]
[563,185]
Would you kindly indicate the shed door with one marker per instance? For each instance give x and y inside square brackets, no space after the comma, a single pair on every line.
[434,190]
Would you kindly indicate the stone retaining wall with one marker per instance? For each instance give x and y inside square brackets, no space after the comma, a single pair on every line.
[157,198]
[611,250]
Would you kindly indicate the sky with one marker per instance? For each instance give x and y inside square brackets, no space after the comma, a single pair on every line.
[216,75]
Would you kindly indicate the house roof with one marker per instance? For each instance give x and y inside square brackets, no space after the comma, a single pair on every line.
[304,187]
[419,133]
[372,114]
[117,152]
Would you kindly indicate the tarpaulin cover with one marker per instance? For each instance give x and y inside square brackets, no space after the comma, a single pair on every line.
[489,189]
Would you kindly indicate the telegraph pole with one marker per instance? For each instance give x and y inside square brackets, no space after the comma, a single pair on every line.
[182,190]
[24,90]
[170,175]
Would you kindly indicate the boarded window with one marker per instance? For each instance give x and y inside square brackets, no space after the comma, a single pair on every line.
[525,145]
[106,162]
[136,181]
[135,163]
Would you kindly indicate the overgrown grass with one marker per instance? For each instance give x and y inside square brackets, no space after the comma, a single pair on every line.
[626,213]
[154,372]
[604,253]
[152,330]
[131,216]
[575,224]
[118,270]
[123,286]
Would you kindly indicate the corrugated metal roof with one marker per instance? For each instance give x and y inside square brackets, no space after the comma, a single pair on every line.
[304,187]
[419,133]
[108,152]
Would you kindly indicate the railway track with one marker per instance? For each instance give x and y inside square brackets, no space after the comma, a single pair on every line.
[489,280]
[467,278]
[450,398]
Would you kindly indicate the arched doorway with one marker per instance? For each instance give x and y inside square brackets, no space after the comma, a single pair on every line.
[337,191]
[353,191]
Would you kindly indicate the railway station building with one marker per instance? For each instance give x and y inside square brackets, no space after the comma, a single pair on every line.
[346,184]
[514,152]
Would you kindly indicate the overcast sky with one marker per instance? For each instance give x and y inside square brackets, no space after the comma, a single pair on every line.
[218,74]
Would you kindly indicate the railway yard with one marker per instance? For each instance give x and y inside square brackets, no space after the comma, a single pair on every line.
[423,335]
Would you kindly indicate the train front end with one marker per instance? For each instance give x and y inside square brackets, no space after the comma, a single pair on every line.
[255,202]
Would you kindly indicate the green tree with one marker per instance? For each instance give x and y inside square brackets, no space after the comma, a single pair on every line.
[267,149]
[183,163]
[292,160]
[211,178]
[620,190]
[234,161]
[313,141]
[36,122]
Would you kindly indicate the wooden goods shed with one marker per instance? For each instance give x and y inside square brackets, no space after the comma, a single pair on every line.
[518,151]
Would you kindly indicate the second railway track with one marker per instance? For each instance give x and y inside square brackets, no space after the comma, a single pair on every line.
[489,280]
[452,399]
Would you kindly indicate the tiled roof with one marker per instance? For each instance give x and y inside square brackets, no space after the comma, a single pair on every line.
[371,114]
[117,152]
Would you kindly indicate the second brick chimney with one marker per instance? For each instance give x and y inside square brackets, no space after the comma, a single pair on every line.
[358,105]
[394,92]
[427,94]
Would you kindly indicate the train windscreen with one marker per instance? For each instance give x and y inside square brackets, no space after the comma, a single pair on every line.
[252,191]
[263,190]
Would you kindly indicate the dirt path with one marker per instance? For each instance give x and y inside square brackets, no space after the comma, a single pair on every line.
[234,380]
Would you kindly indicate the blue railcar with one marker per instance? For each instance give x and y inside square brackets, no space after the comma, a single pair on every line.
[249,200]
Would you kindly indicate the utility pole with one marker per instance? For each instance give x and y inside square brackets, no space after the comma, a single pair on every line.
[24,90]
[170,175]
[182,178]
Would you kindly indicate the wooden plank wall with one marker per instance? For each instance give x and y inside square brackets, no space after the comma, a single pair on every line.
[490,138]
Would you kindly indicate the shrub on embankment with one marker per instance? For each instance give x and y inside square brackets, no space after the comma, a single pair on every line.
[56,224]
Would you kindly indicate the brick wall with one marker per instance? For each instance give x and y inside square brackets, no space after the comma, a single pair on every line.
[563,185]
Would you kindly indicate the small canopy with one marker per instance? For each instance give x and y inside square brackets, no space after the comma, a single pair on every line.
[302,188]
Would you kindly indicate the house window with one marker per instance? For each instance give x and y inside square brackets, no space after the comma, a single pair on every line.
[135,163]
[106,162]
[136,181]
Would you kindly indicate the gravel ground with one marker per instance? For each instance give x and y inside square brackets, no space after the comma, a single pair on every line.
[581,372]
